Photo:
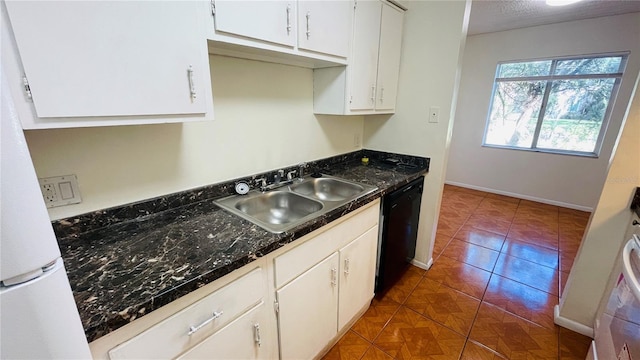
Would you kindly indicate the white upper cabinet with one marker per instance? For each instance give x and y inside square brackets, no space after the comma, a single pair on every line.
[271,21]
[369,83]
[364,61]
[95,63]
[308,33]
[324,26]
[389,58]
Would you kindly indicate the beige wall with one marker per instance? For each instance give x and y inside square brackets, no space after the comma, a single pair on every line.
[263,120]
[563,180]
[606,230]
[433,40]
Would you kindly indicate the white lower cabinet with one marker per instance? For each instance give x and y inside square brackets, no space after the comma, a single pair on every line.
[357,275]
[307,308]
[315,305]
[242,339]
[227,313]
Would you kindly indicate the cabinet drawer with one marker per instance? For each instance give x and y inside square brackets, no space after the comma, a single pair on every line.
[242,339]
[298,260]
[171,336]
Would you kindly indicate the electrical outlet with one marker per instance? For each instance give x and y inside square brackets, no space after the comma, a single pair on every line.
[356,140]
[49,193]
[60,190]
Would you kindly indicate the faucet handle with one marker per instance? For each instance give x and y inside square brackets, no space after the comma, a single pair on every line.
[278,176]
[290,174]
[262,182]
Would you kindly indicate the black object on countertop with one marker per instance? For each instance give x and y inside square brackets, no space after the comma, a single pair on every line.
[397,247]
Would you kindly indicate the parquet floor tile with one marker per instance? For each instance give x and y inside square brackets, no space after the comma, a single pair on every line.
[474,351]
[530,252]
[462,277]
[512,336]
[410,335]
[405,285]
[489,223]
[376,354]
[375,318]
[350,347]
[445,305]
[528,273]
[522,300]
[480,237]
[471,254]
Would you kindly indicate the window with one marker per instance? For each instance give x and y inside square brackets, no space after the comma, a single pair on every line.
[555,105]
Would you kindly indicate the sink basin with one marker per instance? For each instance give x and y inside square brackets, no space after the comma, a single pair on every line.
[327,189]
[295,202]
[278,207]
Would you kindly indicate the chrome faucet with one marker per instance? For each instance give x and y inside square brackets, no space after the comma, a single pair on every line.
[301,168]
[290,175]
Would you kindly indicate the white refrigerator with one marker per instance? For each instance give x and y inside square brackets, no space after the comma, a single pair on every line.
[38,315]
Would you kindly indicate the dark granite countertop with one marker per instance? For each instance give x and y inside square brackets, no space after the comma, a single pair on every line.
[125,262]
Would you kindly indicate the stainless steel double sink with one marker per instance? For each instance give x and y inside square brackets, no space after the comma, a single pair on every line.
[288,206]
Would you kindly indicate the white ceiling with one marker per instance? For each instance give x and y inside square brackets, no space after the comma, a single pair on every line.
[498,15]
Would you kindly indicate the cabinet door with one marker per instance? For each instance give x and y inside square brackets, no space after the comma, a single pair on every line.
[364,59]
[272,21]
[389,57]
[308,309]
[325,26]
[245,338]
[357,275]
[112,58]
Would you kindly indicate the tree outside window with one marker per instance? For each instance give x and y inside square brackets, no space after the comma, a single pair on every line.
[555,105]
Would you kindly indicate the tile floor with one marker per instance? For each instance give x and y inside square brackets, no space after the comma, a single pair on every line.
[499,266]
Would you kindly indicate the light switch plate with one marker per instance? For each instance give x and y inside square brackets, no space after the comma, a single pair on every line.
[60,190]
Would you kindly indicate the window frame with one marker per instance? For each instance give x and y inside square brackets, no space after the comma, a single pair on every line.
[549,79]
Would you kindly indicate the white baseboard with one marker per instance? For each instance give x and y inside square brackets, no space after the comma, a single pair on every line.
[521,196]
[422,265]
[570,324]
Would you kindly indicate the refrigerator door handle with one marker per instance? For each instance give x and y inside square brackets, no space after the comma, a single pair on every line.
[627,270]
[22,278]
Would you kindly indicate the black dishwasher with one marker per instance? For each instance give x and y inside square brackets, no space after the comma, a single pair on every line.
[397,241]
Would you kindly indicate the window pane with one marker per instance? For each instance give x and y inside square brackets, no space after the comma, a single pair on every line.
[520,69]
[574,114]
[514,112]
[603,65]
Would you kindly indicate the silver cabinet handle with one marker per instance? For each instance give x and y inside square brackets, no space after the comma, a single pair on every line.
[346,266]
[193,329]
[308,24]
[334,277]
[256,334]
[373,93]
[192,87]
[288,19]
[381,94]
